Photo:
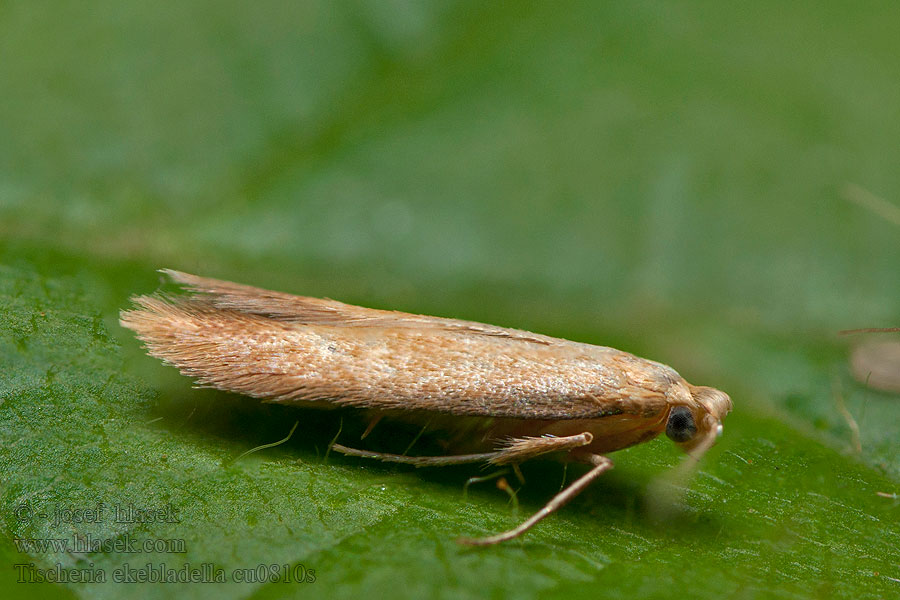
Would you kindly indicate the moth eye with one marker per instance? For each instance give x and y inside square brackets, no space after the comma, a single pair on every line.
[680,427]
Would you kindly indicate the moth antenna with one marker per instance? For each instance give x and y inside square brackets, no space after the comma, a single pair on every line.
[870,330]
[666,491]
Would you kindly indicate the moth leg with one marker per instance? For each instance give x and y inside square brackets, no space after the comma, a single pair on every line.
[518,473]
[418,461]
[482,479]
[503,484]
[375,421]
[519,450]
[513,451]
[601,464]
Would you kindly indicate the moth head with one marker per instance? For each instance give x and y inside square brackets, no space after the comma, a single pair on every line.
[696,424]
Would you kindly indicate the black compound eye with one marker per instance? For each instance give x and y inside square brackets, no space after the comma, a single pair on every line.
[680,427]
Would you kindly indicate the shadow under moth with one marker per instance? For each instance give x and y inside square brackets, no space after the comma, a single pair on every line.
[531,394]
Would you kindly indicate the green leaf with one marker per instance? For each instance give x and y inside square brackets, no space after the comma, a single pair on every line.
[668,179]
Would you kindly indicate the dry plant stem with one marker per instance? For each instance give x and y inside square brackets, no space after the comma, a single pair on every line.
[601,465]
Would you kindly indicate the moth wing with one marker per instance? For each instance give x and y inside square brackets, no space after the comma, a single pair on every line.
[323,311]
[251,340]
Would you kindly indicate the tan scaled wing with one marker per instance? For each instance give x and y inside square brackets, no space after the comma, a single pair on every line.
[296,349]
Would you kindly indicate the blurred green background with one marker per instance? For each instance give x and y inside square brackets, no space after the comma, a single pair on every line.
[707,184]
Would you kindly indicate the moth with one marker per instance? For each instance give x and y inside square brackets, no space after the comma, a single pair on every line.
[528,394]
